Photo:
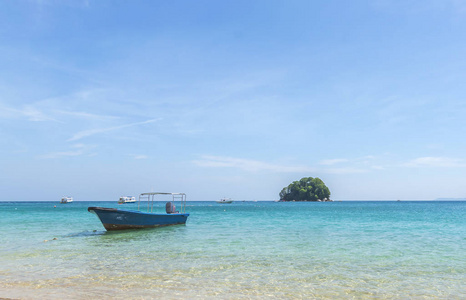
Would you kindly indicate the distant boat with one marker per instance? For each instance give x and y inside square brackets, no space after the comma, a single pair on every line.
[118,219]
[225,200]
[127,199]
[66,200]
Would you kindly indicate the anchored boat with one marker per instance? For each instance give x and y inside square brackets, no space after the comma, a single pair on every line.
[126,199]
[118,219]
[65,200]
[225,200]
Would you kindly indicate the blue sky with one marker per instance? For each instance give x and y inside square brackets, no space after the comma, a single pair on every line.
[232,98]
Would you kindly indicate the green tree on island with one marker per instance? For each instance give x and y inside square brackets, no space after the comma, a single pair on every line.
[306,189]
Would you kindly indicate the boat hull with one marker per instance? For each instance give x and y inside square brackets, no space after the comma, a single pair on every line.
[118,219]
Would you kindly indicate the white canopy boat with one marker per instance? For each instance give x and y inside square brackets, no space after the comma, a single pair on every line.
[119,219]
[66,200]
[225,200]
[127,199]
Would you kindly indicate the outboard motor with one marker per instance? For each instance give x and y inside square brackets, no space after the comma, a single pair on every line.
[170,208]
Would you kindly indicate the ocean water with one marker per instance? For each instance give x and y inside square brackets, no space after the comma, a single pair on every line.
[243,250]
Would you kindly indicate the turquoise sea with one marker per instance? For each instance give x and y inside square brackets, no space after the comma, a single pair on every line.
[243,250]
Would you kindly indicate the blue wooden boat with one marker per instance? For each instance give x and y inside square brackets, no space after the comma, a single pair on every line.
[119,219]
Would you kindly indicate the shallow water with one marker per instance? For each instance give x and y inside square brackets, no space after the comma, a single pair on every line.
[244,250]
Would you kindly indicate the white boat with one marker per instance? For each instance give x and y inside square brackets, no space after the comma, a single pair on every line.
[225,200]
[126,199]
[65,200]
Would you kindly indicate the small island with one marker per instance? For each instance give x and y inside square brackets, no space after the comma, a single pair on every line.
[306,189]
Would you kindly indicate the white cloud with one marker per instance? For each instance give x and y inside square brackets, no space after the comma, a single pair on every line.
[358,165]
[35,115]
[76,150]
[329,162]
[247,164]
[87,133]
[255,165]
[57,109]
[139,156]
[26,111]
[85,115]
[344,171]
[436,162]
[64,153]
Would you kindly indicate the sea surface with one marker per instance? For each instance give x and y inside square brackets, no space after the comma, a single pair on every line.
[243,250]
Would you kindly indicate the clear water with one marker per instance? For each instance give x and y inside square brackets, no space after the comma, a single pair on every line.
[244,250]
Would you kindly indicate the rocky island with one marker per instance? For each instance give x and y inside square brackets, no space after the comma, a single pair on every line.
[306,189]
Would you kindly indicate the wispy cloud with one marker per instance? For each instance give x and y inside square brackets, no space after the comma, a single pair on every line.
[60,109]
[350,166]
[444,162]
[255,166]
[139,156]
[35,115]
[344,171]
[247,164]
[329,162]
[85,115]
[28,112]
[87,133]
[62,154]
[76,150]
